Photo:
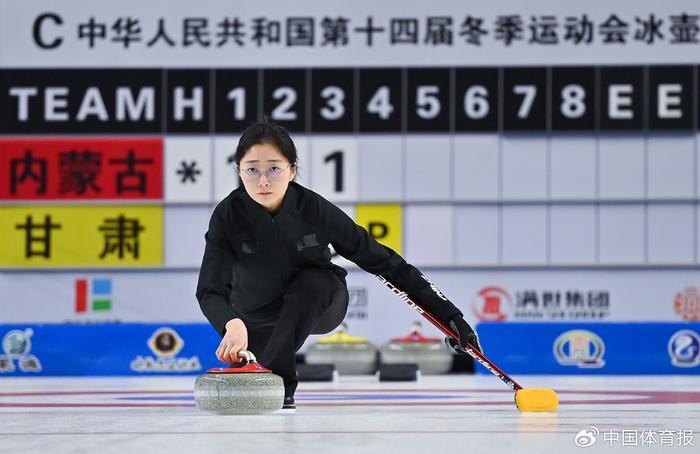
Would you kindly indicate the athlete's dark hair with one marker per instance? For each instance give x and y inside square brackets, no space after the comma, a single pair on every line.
[266,132]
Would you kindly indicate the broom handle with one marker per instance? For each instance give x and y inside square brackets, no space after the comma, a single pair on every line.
[471,351]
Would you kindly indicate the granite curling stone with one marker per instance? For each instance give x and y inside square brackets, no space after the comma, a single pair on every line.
[248,388]
[351,355]
[429,353]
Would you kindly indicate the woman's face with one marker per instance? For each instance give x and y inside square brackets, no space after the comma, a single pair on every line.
[266,173]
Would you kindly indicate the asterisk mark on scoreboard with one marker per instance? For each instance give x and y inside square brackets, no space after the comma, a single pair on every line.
[188,172]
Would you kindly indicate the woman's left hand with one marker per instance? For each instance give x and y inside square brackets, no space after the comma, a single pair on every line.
[466,335]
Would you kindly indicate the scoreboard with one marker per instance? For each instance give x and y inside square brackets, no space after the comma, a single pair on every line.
[434,138]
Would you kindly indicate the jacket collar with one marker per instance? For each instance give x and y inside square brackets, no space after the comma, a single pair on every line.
[290,198]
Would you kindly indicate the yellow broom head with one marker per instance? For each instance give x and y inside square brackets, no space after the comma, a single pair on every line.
[536,399]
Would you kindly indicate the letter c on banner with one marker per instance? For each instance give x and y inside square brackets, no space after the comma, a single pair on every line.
[38,38]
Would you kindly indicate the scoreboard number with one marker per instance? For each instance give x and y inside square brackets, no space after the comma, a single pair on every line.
[334,165]
[336,157]
[476,102]
[334,108]
[427,102]
[237,98]
[380,104]
[573,99]
[288,97]
[528,92]
[332,95]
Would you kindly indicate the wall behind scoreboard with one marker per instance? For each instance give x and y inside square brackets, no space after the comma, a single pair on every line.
[537,151]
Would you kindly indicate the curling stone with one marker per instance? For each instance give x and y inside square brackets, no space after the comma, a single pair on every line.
[429,353]
[248,388]
[351,355]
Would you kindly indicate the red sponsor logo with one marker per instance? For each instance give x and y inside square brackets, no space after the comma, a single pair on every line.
[492,304]
[84,169]
[687,304]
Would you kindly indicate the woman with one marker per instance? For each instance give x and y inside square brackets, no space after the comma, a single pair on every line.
[267,281]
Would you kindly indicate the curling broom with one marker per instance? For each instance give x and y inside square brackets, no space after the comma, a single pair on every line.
[526,399]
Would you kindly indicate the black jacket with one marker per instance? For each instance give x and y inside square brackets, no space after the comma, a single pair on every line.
[250,256]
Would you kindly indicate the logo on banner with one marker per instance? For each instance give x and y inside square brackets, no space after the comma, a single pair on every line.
[165,343]
[687,304]
[492,304]
[684,348]
[581,348]
[357,304]
[17,345]
[93,295]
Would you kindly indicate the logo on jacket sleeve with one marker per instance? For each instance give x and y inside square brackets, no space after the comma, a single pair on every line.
[249,246]
[434,288]
[307,241]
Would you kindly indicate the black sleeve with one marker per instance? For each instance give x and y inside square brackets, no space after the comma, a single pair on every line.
[214,284]
[356,244]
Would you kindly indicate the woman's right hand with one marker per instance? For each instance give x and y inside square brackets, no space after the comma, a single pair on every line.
[235,340]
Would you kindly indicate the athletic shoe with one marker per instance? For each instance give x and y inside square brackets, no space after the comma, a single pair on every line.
[288,403]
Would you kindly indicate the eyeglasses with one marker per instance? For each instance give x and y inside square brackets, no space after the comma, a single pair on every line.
[255,173]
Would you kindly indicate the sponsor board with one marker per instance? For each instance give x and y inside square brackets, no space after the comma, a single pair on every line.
[373,311]
[592,348]
[107,349]
[100,297]
[517,348]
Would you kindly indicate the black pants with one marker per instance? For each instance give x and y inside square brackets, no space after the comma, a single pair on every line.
[315,302]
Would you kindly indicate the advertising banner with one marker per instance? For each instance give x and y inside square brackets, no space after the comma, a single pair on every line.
[145,349]
[592,349]
[107,349]
[99,297]
[505,297]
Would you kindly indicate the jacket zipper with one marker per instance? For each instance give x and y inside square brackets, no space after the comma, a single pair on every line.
[280,248]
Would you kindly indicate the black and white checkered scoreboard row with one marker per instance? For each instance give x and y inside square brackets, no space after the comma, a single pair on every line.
[349,100]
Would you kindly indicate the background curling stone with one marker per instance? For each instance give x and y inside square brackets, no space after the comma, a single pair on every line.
[317,372]
[241,389]
[349,354]
[429,353]
[398,372]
